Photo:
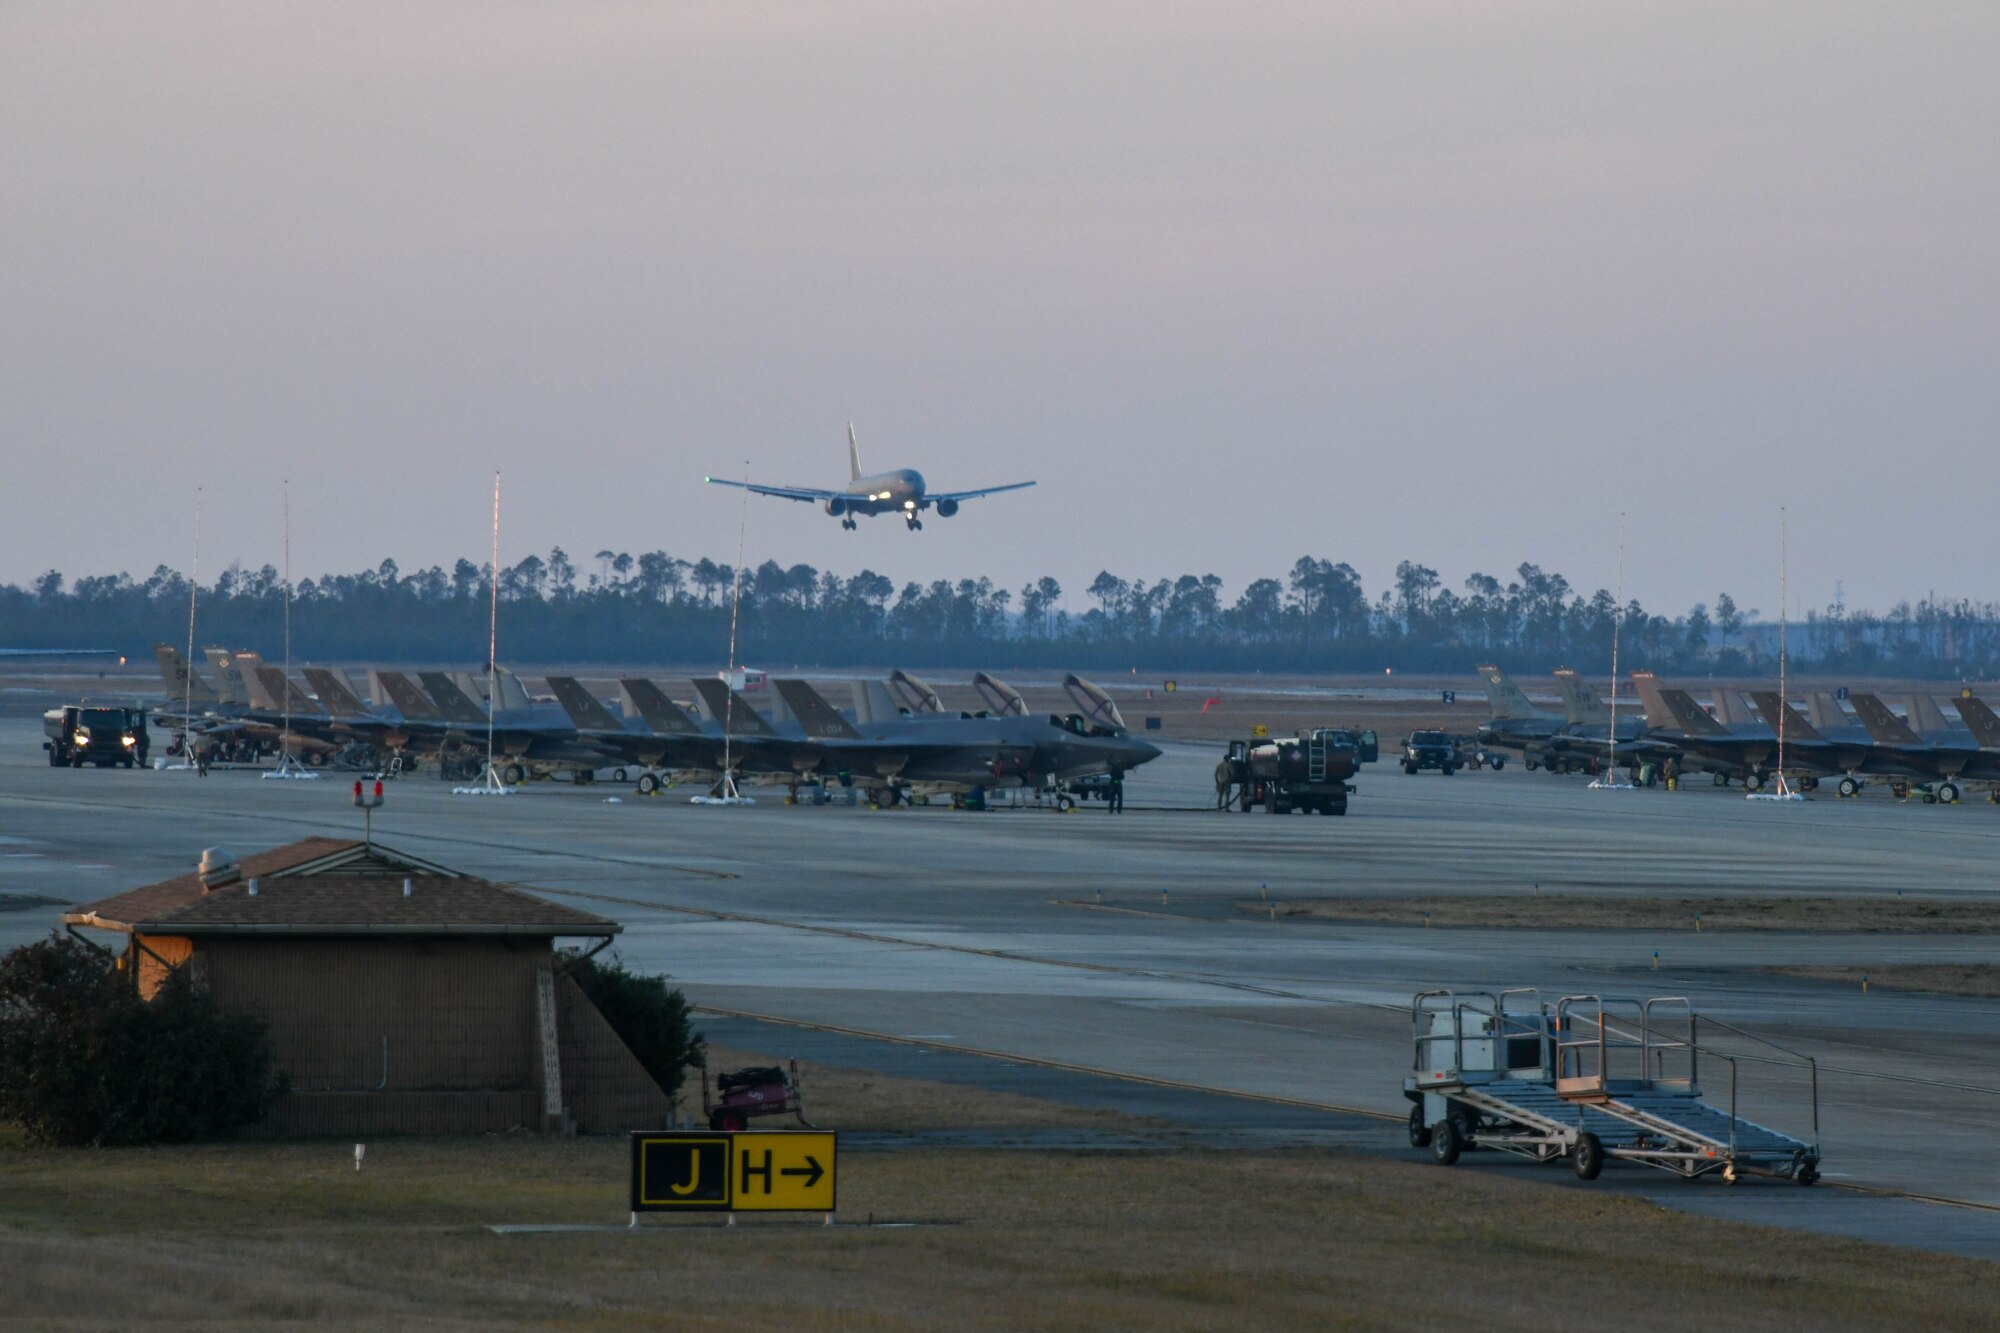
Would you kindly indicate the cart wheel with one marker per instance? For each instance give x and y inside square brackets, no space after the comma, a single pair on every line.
[1445,1145]
[1587,1157]
[1420,1133]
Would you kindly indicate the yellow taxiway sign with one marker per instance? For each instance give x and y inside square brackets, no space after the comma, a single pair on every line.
[748,1171]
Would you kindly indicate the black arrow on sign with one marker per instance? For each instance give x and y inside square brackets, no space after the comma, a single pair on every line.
[812,1171]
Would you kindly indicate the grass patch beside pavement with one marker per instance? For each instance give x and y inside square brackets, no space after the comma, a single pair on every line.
[1979,980]
[248,1234]
[1832,914]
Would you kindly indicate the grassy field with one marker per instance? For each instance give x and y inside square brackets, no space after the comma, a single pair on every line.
[282,1234]
[1887,915]
[1981,980]
[1186,1240]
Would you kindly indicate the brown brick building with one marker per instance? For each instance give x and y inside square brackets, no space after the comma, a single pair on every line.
[401,996]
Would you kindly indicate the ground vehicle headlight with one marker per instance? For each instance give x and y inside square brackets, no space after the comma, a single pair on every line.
[82,737]
[130,740]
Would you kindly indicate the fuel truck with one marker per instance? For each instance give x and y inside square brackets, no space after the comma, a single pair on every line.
[1306,772]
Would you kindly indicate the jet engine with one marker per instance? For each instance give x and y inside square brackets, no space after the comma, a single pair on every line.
[836,506]
[946,508]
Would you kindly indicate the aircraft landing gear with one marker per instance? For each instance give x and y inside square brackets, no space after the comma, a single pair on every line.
[916,524]
[849,524]
[1848,787]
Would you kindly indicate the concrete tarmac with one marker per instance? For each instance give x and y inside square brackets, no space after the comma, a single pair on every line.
[1045,936]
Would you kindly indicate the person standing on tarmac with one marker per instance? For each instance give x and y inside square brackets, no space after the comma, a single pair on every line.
[1672,772]
[1116,799]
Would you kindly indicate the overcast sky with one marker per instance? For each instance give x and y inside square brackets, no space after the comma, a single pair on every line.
[1447,280]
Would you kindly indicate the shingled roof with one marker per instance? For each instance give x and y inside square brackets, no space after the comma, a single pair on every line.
[326,886]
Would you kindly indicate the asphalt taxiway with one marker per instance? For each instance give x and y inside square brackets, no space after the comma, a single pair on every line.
[1095,945]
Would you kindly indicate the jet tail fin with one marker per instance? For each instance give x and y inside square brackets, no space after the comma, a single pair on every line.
[335,694]
[513,694]
[183,681]
[853,455]
[1981,721]
[656,710]
[1729,706]
[1692,718]
[284,692]
[814,713]
[1825,711]
[1659,717]
[585,709]
[731,711]
[1580,701]
[1925,715]
[229,673]
[404,696]
[1505,696]
[1883,725]
[453,702]
[1772,707]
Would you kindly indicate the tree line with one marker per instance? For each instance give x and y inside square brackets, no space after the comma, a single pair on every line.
[658,608]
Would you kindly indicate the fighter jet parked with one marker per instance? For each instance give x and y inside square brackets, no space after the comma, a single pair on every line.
[1926,746]
[899,492]
[1516,723]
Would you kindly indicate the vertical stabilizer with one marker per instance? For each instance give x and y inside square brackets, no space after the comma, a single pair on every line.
[585,709]
[1883,725]
[1658,716]
[1735,714]
[853,455]
[1580,701]
[662,714]
[184,683]
[1772,707]
[814,714]
[452,700]
[1980,719]
[1505,696]
[1692,719]
[1925,715]
[1826,713]
[730,710]
[336,696]
[513,694]
[229,674]
[873,702]
[404,696]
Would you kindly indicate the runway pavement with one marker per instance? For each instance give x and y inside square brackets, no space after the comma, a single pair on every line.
[1046,936]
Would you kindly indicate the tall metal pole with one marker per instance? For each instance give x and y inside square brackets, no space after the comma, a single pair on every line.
[493,633]
[285,748]
[735,610]
[1784,595]
[1617,620]
[187,692]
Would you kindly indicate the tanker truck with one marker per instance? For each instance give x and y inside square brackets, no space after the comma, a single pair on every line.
[1307,772]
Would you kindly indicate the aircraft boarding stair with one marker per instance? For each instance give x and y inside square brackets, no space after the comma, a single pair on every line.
[1590,1079]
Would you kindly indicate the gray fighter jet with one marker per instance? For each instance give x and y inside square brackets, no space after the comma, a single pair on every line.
[900,492]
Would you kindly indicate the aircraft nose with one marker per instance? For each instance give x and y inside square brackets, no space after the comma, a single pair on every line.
[1142,752]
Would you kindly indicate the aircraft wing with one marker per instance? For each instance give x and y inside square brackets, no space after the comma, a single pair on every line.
[966,495]
[782,492]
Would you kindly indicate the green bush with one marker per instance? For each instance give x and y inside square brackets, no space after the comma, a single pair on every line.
[649,1016]
[85,1061]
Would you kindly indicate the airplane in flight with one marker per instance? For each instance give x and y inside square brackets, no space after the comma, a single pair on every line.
[899,492]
